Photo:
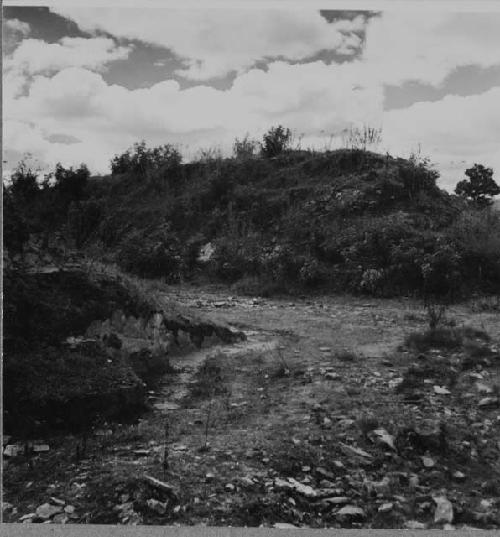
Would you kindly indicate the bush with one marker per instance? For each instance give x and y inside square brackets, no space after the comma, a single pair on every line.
[275,141]
[477,236]
[140,160]
[70,183]
[156,255]
[25,185]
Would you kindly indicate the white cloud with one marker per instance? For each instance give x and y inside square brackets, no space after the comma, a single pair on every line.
[312,98]
[36,56]
[456,132]
[17,26]
[427,46]
[214,42]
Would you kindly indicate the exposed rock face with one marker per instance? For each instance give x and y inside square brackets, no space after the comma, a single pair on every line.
[94,341]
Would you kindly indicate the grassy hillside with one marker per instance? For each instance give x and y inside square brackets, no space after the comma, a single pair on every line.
[345,220]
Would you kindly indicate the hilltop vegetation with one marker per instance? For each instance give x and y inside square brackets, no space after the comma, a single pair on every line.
[282,221]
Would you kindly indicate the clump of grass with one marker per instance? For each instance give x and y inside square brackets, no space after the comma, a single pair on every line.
[487,305]
[411,316]
[210,380]
[346,356]
[258,286]
[367,423]
[288,459]
[439,338]
[470,332]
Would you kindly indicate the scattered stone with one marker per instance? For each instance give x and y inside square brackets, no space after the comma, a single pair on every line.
[40,448]
[26,517]
[168,405]
[385,438]
[230,487]
[159,485]
[350,512]
[336,500]
[209,477]
[325,349]
[382,487]
[247,481]
[332,376]
[141,452]
[57,501]
[440,390]
[6,506]
[489,402]
[415,525]
[428,462]
[351,450]
[13,450]
[293,484]
[284,525]
[323,473]
[157,506]
[46,511]
[385,507]
[69,509]
[444,510]
[459,476]
[483,388]
[103,432]
[413,482]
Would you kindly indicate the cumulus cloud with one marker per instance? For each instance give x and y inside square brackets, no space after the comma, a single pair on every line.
[456,132]
[66,97]
[36,56]
[17,26]
[316,99]
[14,31]
[313,97]
[427,46]
[215,42]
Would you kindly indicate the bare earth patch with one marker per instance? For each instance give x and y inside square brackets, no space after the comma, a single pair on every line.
[321,418]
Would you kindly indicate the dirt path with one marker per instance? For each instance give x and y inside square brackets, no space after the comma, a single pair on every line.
[278,429]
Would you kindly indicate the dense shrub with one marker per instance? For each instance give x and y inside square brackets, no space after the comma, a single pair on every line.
[70,183]
[275,141]
[140,159]
[155,255]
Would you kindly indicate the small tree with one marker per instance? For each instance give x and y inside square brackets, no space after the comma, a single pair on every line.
[71,183]
[275,141]
[25,185]
[480,186]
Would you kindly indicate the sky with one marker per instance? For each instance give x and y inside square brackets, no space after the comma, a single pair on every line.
[81,84]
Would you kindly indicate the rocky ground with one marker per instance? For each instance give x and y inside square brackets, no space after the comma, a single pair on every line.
[323,417]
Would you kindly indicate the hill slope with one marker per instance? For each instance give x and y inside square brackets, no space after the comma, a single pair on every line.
[341,220]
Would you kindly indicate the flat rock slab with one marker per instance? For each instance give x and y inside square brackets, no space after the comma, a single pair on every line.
[168,405]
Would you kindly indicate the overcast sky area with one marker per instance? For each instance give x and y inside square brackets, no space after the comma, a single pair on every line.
[82,84]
